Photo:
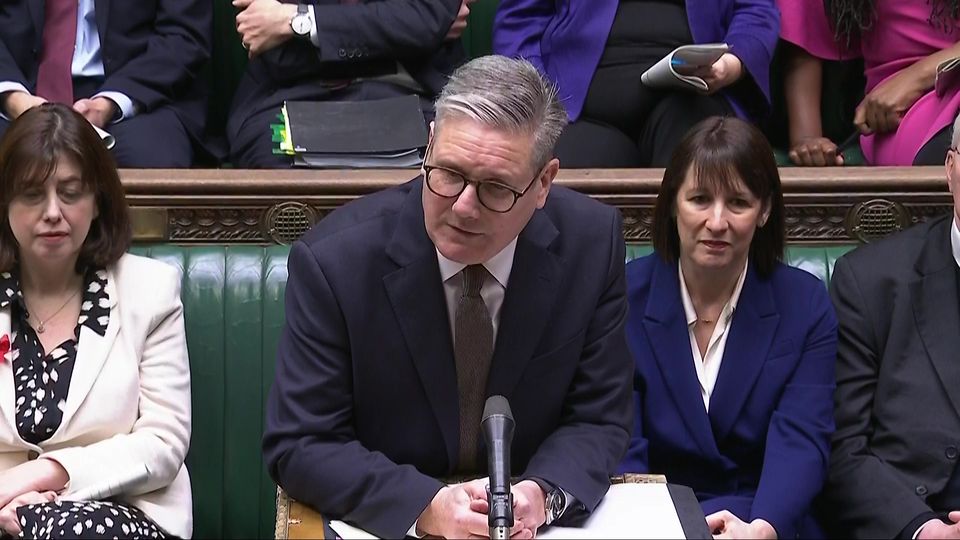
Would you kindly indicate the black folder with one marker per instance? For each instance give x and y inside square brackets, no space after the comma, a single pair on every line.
[386,132]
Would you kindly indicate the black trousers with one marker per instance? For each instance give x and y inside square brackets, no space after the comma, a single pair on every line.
[589,143]
[253,146]
[149,140]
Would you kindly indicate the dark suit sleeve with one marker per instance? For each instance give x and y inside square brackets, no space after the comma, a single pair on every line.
[309,442]
[594,430]
[518,28]
[171,58]
[637,458]
[862,491]
[798,439]
[388,30]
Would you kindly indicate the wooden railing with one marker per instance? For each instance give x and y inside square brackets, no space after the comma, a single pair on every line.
[824,205]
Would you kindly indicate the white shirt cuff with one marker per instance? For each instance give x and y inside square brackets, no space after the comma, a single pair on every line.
[920,528]
[412,531]
[127,109]
[10,86]
[315,36]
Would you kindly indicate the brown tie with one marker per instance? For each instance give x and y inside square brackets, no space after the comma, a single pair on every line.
[473,351]
[54,77]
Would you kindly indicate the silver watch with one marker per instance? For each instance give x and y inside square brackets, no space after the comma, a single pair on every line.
[554,505]
[301,23]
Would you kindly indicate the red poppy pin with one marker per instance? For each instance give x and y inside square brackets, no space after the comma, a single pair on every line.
[4,347]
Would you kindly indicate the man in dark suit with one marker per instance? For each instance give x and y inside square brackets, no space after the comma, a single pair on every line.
[407,308]
[893,467]
[345,50]
[131,68]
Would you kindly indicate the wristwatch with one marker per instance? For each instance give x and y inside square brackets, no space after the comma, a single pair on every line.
[302,23]
[555,504]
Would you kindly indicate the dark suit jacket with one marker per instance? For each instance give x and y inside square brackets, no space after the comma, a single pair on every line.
[152,51]
[362,416]
[354,40]
[566,38]
[898,381]
[762,450]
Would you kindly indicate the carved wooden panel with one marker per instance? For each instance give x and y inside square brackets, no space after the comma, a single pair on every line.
[823,205]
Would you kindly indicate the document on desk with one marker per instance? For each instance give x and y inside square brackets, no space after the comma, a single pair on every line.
[627,511]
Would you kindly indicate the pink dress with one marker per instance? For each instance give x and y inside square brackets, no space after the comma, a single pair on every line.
[900,36]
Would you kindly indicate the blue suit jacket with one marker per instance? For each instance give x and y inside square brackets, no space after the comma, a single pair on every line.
[565,39]
[152,51]
[362,416]
[762,451]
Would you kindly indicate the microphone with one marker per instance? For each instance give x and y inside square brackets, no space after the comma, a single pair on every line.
[497,427]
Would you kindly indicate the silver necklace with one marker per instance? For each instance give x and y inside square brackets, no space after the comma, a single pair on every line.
[41,323]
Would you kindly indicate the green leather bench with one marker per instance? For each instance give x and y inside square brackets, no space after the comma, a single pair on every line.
[233,303]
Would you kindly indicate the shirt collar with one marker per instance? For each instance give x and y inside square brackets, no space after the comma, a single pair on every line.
[955,241]
[728,308]
[499,265]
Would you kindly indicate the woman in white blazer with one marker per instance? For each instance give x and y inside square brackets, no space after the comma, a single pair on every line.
[94,376]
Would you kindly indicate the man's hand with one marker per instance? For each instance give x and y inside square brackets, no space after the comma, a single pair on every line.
[938,529]
[529,503]
[452,512]
[263,24]
[725,71]
[99,111]
[815,152]
[16,103]
[460,23]
[724,524]
[881,109]
[8,514]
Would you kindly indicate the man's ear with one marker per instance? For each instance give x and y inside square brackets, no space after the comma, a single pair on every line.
[547,175]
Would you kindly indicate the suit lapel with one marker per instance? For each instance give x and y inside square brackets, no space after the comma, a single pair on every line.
[935,308]
[666,328]
[7,393]
[530,295]
[37,8]
[102,11]
[416,295]
[752,330]
[92,352]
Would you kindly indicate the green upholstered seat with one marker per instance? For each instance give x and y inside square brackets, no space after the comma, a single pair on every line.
[233,304]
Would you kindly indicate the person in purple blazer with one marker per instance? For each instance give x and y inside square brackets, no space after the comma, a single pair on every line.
[734,350]
[596,51]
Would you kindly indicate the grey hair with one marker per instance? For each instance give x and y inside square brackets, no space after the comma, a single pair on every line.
[955,140]
[508,94]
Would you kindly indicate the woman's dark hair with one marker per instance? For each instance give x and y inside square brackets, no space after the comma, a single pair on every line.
[29,153]
[850,17]
[720,151]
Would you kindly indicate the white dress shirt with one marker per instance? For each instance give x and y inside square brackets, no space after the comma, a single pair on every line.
[492,291]
[87,61]
[708,366]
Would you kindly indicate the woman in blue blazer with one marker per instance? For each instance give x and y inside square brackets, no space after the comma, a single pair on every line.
[596,50]
[734,350]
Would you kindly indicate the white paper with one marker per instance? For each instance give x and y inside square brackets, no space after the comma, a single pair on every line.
[349,532]
[107,138]
[627,511]
[676,70]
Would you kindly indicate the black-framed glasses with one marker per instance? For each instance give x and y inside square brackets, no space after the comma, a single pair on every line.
[494,196]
